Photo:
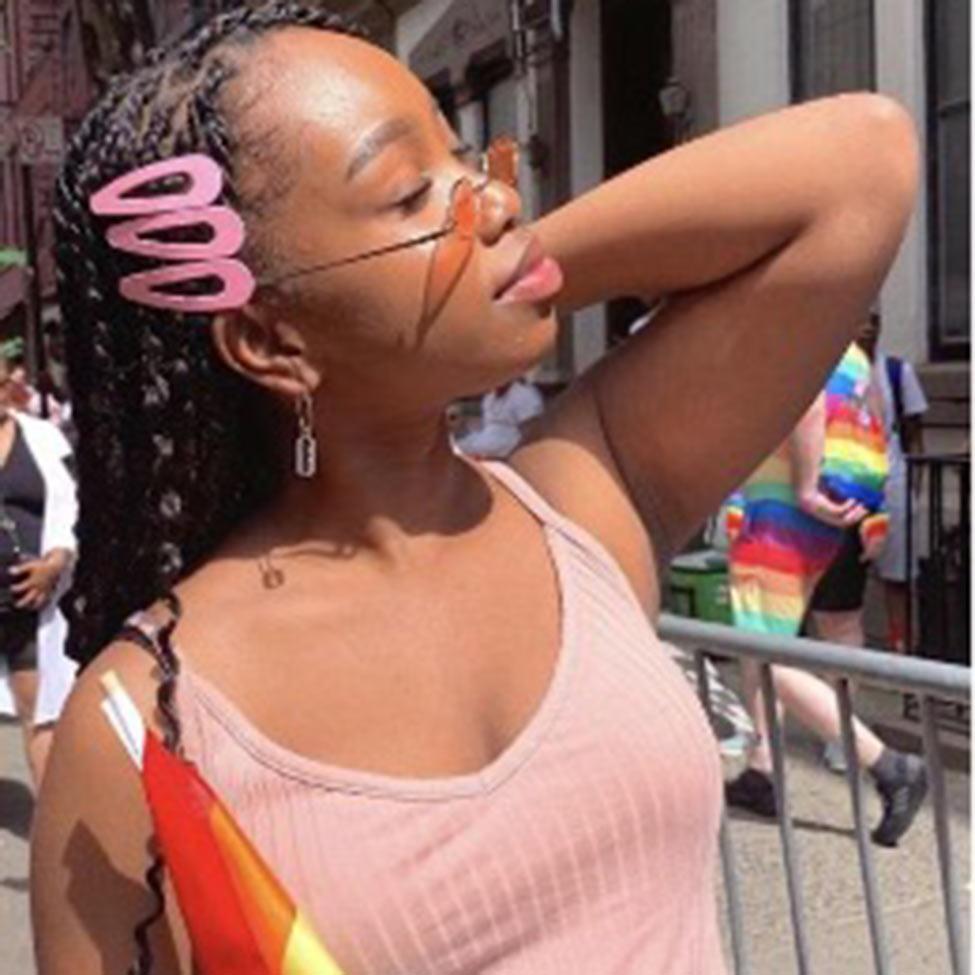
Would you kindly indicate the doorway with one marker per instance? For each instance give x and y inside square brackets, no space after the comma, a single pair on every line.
[637,60]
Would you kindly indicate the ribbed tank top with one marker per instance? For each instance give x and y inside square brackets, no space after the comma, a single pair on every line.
[588,846]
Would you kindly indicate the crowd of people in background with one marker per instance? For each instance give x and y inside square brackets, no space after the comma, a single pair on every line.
[814,517]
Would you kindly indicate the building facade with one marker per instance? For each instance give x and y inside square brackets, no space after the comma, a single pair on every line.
[775,53]
[629,80]
[54,55]
[589,87]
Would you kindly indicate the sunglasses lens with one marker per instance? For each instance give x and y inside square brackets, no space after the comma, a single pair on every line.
[452,251]
[463,209]
[502,160]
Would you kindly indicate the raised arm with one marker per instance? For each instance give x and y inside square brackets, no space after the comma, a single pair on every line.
[770,239]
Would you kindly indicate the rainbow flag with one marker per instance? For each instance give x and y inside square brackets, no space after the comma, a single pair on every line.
[240,919]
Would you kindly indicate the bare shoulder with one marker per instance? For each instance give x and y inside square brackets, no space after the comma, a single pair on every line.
[567,459]
[92,832]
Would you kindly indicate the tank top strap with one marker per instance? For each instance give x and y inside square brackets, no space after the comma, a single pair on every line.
[547,515]
[526,493]
[138,631]
[582,541]
[145,627]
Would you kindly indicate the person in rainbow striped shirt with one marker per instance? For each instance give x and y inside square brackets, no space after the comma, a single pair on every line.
[826,479]
[819,493]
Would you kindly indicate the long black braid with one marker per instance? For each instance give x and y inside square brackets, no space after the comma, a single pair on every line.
[170,452]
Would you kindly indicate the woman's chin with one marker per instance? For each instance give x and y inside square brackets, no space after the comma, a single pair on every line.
[526,324]
[534,344]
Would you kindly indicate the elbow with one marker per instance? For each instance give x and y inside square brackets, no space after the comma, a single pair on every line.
[883,154]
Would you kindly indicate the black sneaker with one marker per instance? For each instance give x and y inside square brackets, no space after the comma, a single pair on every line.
[754,792]
[901,798]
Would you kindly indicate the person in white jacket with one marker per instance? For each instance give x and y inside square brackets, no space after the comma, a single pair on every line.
[505,412]
[38,509]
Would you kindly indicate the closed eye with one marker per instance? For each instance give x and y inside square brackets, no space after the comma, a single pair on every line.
[466,154]
[414,201]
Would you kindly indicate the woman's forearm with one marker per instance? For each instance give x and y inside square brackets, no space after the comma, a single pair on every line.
[715,206]
[59,558]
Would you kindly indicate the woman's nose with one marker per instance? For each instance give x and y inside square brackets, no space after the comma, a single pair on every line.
[500,210]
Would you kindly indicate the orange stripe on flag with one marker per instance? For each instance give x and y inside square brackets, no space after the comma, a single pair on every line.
[285,939]
[180,803]
[269,910]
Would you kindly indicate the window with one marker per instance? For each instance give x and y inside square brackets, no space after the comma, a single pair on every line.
[949,107]
[832,47]
[502,109]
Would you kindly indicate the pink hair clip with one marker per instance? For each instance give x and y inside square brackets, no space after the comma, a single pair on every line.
[189,261]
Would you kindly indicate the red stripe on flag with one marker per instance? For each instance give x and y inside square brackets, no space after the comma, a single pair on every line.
[180,804]
[761,554]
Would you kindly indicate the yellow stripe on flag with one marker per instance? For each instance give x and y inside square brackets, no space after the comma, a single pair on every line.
[305,954]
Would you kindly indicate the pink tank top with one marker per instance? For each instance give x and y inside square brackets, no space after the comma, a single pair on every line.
[588,846]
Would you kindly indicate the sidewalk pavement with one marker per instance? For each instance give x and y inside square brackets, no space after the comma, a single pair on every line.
[16,803]
[908,876]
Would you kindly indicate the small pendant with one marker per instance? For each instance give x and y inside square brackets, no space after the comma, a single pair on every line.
[271,576]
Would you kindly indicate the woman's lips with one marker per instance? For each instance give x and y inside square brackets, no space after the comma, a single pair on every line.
[538,278]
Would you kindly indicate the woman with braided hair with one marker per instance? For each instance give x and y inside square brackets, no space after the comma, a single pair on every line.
[428,690]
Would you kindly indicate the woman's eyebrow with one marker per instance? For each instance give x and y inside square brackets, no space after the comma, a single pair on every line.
[375,141]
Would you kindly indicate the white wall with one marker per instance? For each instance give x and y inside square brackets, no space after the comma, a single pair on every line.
[753,57]
[753,77]
[585,96]
[412,25]
[900,73]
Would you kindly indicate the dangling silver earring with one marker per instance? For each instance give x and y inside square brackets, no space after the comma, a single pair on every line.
[306,446]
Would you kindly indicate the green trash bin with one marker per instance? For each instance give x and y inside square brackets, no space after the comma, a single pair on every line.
[698,586]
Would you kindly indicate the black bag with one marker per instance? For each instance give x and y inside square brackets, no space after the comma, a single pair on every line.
[7,561]
[7,597]
[895,369]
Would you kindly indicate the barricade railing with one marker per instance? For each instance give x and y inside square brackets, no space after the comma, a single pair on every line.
[931,681]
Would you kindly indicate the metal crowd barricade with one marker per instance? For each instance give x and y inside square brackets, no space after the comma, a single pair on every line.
[929,680]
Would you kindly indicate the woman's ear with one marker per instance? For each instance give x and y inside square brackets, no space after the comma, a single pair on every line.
[256,342]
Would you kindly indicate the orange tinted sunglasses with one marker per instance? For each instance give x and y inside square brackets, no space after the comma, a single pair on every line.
[456,237]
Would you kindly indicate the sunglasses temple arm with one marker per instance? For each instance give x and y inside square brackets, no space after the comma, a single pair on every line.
[379,252]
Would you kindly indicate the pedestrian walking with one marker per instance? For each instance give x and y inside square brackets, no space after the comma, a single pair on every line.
[903,405]
[426,691]
[38,510]
[854,466]
[505,415]
[801,507]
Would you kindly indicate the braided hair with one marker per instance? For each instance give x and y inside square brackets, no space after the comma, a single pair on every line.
[171,453]
[174,447]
